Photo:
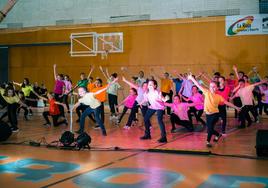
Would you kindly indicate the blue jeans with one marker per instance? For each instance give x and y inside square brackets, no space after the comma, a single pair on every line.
[96,112]
[148,115]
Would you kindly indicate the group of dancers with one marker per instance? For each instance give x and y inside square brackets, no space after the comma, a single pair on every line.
[181,96]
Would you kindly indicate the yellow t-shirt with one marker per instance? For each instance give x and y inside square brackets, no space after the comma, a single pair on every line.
[166,85]
[27,90]
[9,100]
[211,102]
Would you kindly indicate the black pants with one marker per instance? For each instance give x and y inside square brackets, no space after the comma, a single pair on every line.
[237,102]
[125,109]
[26,111]
[58,98]
[65,101]
[211,121]
[54,119]
[12,114]
[168,101]
[112,99]
[223,116]
[134,110]
[265,108]
[244,114]
[185,123]
[82,108]
[197,114]
[102,112]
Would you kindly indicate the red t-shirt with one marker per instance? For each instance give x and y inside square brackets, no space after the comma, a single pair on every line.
[53,107]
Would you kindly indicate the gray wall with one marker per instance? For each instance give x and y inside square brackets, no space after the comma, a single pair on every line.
[28,13]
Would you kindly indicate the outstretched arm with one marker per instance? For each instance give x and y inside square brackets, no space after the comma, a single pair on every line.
[190,77]
[129,83]
[16,83]
[54,71]
[105,88]
[231,105]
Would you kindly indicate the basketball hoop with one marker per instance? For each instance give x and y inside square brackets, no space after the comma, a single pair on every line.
[104,54]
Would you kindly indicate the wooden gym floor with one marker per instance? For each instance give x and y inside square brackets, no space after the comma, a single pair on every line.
[122,160]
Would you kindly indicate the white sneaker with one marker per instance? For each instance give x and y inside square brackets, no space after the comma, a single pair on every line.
[126,127]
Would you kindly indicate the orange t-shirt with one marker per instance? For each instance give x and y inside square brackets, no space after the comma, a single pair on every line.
[53,107]
[90,87]
[101,96]
[166,85]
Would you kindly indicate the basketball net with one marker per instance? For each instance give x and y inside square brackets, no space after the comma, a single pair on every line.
[104,55]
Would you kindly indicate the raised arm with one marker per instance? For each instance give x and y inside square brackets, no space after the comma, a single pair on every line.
[190,77]
[129,83]
[104,74]
[259,83]
[54,71]
[236,72]
[90,72]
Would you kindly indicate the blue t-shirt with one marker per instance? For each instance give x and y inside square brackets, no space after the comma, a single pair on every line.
[178,83]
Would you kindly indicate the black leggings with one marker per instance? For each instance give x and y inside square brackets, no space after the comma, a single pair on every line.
[211,121]
[197,114]
[54,119]
[12,114]
[112,103]
[125,109]
[185,123]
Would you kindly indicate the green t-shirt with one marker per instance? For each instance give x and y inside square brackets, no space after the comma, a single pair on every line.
[82,83]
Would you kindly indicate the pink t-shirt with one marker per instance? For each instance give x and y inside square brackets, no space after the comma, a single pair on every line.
[181,110]
[224,93]
[198,98]
[246,95]
[58,89]
[68,86]
[130,100]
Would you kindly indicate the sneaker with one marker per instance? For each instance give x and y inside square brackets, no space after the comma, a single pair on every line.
[241,127]
[66,122]
[47,124]
[26,118]
[146,137]
[97,127]
[15,129]
[173,130]
[216,139]
[79,131]
[104,133]
[209,145]
[126,127]
[162,140]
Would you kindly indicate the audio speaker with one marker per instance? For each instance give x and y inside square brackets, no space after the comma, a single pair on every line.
[262,143]
[5,131]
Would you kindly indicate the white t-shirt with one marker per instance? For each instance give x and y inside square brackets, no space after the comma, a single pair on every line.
[265,97]
[246,95]
[90,100]
[140,96]
[154,99]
